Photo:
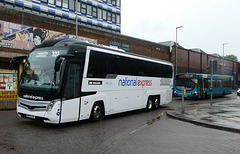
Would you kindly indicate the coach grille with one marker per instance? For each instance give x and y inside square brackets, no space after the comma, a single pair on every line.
[37,106]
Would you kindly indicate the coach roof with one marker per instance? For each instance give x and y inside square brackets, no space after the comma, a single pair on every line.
[70,42]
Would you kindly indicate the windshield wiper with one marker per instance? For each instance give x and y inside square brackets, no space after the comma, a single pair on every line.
[49,83]
[31,78]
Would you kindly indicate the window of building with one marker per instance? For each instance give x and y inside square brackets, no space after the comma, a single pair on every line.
[94,11]
[59,3]
[84,8]
[109,1]
[113,17]
[109,16]
[51,1]
[105,0]
[114,2]
[100,13]
[104,15]
[118,3]
[44,1]
[79,6]
[89,10]
[65,3]
[71,4]
[118,19]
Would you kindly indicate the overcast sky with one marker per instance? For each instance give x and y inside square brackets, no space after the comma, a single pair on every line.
[207,24]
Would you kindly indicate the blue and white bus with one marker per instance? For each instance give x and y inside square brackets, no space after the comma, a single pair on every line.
[71,80]
[198,85]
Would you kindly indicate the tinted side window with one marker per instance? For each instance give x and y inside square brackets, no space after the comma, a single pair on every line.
[226,83]
[206,83]
[99,65]
[102,64]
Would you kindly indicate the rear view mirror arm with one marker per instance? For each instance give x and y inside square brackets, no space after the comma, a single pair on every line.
[58,60]
[15,60]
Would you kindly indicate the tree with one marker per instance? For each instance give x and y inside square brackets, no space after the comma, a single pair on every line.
[231,57]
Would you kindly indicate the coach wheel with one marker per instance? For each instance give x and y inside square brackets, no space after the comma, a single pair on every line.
[97,112]
[156,103]
[149,104]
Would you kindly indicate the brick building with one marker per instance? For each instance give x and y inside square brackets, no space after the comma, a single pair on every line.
[198,61]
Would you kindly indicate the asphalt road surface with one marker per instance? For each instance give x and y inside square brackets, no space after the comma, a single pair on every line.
[132,132]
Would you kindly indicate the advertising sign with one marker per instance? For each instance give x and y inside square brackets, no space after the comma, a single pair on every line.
[119,45]
[8,85]
[26,37]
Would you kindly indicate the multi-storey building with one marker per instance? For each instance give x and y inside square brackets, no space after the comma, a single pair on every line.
[100,14]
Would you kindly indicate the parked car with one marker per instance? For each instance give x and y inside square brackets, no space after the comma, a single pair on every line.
[238,92]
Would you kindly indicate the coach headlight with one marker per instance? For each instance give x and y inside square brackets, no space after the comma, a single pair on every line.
[50,105]
[18,102]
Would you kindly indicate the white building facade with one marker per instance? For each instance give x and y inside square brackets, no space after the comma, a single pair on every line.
[98,14]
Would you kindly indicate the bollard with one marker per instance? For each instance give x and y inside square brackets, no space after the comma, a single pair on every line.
[211,87]
[211,91]
[183,93]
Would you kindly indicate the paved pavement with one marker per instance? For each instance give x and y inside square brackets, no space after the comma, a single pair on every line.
[223,115]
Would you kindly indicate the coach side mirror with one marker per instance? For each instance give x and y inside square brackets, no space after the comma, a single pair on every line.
[59,60]
[58,64]
[15,60]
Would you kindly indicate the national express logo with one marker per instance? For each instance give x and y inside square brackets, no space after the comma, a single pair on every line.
[134,82]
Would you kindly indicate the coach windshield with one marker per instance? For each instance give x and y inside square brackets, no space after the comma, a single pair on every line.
[38,73]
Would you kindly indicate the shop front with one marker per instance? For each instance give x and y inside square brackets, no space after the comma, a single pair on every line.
[8,90]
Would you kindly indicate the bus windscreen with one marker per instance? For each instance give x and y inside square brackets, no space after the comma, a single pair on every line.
[189,83]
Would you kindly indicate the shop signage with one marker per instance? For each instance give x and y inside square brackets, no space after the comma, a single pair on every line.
[8,86]
[119,45]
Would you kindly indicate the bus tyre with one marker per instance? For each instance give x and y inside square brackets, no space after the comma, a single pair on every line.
[156,103]
[149,104]
[97,112]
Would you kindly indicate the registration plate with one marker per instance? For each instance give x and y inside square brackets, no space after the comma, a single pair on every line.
[30,116]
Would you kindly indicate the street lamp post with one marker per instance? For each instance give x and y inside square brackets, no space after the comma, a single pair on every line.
[223,58]
[177,47]
[76,10]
